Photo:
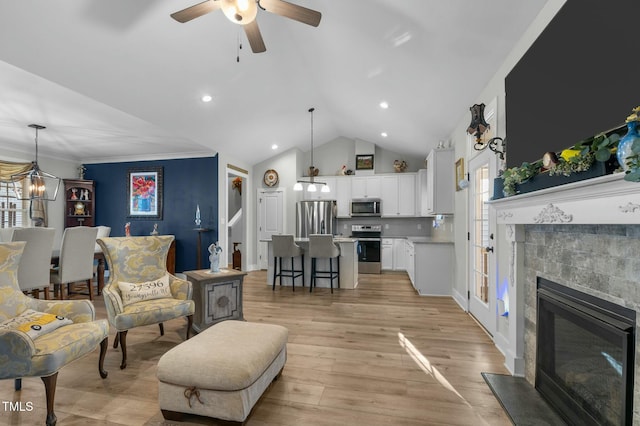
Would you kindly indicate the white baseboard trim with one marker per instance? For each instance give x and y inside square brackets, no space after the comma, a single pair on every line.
[460,300]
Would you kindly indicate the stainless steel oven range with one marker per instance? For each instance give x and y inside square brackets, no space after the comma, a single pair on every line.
[369,239]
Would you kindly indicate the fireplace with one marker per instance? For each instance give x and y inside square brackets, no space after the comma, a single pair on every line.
[584,355]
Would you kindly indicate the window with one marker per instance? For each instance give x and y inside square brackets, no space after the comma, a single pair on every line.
[12,210]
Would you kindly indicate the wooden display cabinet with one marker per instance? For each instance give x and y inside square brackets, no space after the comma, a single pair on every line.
[80,207]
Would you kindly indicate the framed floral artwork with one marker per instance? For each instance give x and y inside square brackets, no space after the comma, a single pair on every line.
[144,193]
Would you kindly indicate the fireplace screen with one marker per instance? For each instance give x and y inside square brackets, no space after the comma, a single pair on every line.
[585,356]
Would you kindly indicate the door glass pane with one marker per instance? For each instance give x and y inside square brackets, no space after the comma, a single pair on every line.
[481,233]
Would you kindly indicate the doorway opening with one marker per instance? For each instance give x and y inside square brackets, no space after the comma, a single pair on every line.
[236,225]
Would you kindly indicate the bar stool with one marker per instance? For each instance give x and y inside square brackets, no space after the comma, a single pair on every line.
[321,246]
[284,246]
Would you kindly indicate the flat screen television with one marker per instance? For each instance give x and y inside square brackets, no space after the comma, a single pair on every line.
[579,78]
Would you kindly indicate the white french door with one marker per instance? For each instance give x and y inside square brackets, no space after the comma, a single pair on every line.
[482,267]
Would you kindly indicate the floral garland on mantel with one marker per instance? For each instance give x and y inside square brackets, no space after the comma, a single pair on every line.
[578,158]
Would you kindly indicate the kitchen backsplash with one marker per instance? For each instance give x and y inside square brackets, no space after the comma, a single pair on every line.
[405,227]
[442,227]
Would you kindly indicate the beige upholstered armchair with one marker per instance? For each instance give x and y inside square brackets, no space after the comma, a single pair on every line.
[39,337]
[140,291]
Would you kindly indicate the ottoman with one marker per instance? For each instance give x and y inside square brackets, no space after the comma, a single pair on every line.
[221,372]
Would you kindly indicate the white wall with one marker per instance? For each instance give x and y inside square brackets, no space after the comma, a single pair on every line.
[495,88]
[330,157]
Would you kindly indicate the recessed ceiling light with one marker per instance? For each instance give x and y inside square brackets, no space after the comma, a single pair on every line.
[384,134]
[274,146]
[384,104]
[206,98]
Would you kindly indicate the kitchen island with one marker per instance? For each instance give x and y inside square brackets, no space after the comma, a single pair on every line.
[348,264]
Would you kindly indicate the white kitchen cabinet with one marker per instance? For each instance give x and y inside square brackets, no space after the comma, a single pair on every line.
[319,195]
[343,196]
[407,194]
[389,195]
[430,268]
[398,194]
[365,187]
[340,191]
[437,183]
[399,254]
[386,254]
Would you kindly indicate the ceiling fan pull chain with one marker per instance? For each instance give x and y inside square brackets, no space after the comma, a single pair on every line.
[239,46]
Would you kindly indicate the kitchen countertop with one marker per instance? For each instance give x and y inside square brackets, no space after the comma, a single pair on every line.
[428,240]
[306,240]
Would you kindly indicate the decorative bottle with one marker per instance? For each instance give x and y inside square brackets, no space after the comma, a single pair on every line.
[626,142]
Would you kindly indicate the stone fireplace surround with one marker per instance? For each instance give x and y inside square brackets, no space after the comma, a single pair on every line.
[584,235]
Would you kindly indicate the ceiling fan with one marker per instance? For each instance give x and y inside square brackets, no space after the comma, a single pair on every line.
[243,12]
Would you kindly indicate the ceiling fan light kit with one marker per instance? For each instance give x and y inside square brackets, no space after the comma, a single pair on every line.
[239,11]
[244,12]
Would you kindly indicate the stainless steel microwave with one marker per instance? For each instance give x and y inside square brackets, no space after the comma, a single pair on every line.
[365,207]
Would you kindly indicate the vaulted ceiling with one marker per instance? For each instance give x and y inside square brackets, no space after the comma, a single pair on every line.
[119,79]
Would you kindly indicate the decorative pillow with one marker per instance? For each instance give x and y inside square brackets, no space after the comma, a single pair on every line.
[34,323]
[137,292]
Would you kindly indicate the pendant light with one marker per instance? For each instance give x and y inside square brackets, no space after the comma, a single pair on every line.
[312,183]
[35,184]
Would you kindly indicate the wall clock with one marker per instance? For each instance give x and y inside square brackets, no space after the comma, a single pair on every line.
[270,177]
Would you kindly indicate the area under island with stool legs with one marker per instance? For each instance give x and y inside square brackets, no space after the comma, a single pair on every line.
[348,265]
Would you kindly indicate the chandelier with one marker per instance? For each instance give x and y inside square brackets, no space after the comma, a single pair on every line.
[35,184]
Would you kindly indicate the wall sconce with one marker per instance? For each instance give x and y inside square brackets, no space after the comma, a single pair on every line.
[477,128]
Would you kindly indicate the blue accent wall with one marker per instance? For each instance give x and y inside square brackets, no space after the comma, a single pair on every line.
[186,183]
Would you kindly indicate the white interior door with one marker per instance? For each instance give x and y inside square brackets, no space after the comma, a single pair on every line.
[270,220]
[482,268]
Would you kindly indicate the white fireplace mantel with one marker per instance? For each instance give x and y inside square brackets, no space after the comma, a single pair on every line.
[603,200]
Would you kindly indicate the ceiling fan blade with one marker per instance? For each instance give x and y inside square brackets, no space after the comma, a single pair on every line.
[255,38]
[195,11]
[292,11]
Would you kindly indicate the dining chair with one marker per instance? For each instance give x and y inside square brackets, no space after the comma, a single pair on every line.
[103,231]
[321,246]
[35,262]
[6,234]
[76,260]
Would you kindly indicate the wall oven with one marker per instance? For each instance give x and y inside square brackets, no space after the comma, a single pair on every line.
[365,207]
[369,245]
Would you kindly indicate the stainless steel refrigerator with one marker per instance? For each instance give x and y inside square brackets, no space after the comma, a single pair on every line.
[315,217]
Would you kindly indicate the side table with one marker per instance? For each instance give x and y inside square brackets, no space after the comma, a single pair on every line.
[217,296]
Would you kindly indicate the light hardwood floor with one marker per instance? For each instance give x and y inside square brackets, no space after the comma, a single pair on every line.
[376,355]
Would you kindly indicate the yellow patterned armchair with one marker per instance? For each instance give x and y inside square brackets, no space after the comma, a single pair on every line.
[140,291]
[39,337]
